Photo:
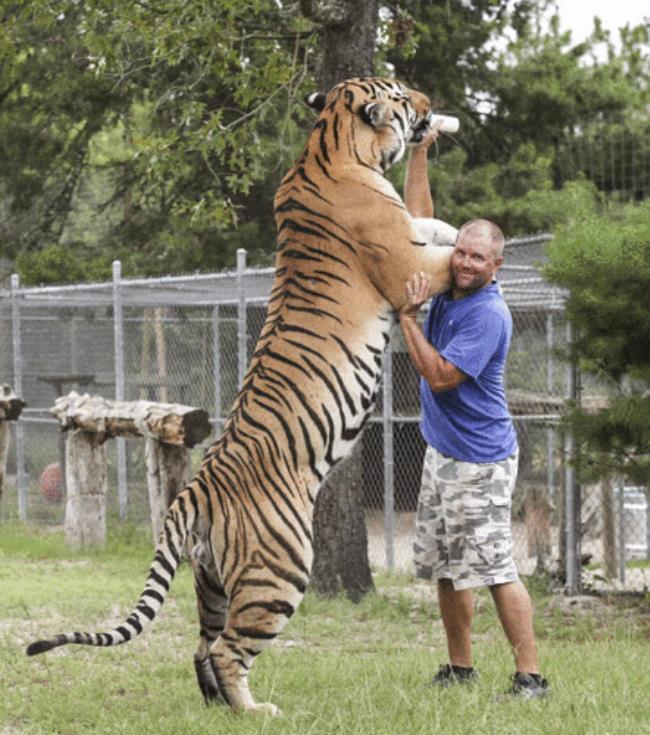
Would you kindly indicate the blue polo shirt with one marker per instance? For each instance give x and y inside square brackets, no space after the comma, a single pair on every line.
[472,422]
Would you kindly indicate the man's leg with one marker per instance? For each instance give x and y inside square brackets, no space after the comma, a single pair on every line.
[457,610]
[515,611]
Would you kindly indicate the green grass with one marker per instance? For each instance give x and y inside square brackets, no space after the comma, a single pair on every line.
[337,668]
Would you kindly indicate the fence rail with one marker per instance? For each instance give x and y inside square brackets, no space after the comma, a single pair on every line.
[188,339]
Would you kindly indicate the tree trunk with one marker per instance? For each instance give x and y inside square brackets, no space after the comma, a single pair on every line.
[346,38]
[4,449]
[87,484]
[340,534]
[346,43]
[167,475]
[11,407]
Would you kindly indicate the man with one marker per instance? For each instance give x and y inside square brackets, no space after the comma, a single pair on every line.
[463,536]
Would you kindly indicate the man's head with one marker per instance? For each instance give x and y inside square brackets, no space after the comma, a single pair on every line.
[477,256]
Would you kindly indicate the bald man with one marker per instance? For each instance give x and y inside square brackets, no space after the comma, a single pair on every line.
[463,525]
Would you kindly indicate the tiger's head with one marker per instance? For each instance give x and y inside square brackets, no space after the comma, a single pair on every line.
[371,119]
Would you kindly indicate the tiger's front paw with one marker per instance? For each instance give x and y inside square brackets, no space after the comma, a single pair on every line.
[265,708]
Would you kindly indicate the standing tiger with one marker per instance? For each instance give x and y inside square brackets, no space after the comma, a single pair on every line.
[346,246]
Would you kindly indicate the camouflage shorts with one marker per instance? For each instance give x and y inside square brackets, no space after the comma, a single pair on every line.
[463,529]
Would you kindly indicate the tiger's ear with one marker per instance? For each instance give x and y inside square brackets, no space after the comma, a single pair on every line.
[376,114]
[316,100]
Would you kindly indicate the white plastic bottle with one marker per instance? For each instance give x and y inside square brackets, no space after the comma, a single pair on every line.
[449,124]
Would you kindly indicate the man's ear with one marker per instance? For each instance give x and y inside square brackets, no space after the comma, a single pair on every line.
[376,114]
[316,100]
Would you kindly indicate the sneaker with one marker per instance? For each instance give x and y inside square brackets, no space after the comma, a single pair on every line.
[529,686]
[448,675]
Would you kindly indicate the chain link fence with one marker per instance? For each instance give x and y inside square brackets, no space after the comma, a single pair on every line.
[188,339]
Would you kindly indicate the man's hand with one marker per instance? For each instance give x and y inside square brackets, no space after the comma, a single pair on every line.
[439,373]
[418,289]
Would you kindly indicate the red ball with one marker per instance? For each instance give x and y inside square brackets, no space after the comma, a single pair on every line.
[51,483]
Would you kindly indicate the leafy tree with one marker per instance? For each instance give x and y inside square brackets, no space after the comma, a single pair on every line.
[604,262]
[157,132]
[447,49]
[202,94]
[60,263]
[537,111]
[50,108]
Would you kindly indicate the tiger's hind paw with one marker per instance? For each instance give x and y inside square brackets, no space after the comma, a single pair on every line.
[267,709]
[208,681]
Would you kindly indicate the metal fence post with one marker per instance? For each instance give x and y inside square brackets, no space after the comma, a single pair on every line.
[621,533]
[571,502]
[550,431]
[216,367]
[389,460]
[242,337]
[19,435]
[118,335]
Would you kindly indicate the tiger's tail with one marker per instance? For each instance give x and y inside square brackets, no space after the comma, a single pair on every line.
[178,524]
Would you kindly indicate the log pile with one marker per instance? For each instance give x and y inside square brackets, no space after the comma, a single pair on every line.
[89,421]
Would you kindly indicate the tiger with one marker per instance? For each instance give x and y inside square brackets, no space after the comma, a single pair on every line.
[345,248]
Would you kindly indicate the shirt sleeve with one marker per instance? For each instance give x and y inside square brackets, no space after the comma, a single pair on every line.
[477,338]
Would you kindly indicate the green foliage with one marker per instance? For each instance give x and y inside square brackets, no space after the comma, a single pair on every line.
[538,113]
[518,194]
[604,262]
[443,48]
[167,118]
[62,264]
[50,108]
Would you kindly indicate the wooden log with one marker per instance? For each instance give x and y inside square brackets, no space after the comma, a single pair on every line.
[167,475]
[11,407]
[169,429]
[171,423]
[87,484]
[4,449]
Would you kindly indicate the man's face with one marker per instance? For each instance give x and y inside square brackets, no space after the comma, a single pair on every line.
[474,263]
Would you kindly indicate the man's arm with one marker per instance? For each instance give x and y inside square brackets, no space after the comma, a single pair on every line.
[440,374]
[417,193]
